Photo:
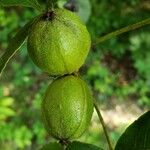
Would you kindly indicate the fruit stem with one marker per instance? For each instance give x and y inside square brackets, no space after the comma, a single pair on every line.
[122,30]
[63,143]
[103,125]
[50,5]
[63,147]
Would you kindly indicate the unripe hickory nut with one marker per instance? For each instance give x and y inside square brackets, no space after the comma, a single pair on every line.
[67,108]
[58,42]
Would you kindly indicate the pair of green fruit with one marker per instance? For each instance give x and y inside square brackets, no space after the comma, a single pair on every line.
[58,44]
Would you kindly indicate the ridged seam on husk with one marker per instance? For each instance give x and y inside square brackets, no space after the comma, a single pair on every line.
[72,28]
[64,134]
[61,119]
[85,106]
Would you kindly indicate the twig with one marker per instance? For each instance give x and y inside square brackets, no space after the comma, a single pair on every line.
[103,125]
[122,30]
[63,147]
[64,144]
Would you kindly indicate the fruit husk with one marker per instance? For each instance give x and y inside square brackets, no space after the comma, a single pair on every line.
[67,108]
[59,42]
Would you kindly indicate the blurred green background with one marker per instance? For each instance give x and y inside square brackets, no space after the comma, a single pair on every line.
[117,70]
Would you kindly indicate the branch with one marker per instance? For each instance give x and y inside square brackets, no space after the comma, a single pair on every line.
[103,125]
[122,30]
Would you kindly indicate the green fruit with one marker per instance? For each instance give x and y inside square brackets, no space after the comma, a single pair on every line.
[67,108]
[59,42]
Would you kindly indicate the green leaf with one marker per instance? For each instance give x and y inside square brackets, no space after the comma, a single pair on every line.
[6,101]
[82,146]
[6,112]
[52,146]
[14,45]
[137,135]
[84,9]
[23,137]
[27,3]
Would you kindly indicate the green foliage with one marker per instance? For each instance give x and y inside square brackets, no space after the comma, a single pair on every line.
[140,43]
[19,129]
[18,136]
[28,3]
[14,45]
[101,79]
[84,9]
[117,69]
[123,57]
[5,108]
[137,135]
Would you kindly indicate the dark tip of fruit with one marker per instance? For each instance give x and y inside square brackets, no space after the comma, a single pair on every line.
[49,16]
[64,142]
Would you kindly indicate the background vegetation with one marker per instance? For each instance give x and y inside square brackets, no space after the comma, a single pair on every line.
[118,71]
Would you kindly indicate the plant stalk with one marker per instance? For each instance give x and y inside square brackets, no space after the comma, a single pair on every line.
[122,30]
[103,125]
[63,147]
[50,4]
